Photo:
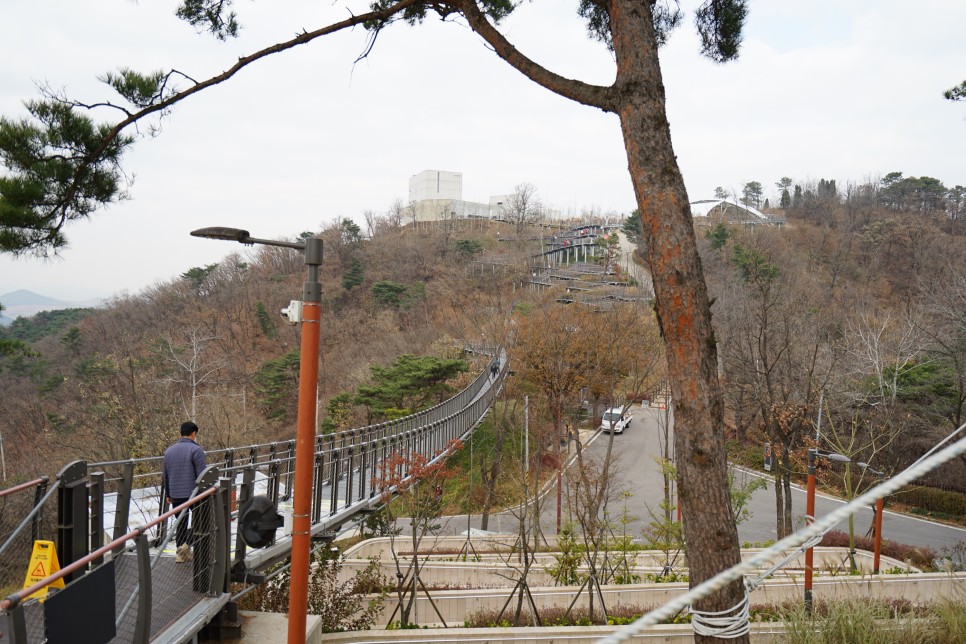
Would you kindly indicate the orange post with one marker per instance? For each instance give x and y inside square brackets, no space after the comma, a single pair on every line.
[809,518]
[309,313]
[305,445]
[879,508]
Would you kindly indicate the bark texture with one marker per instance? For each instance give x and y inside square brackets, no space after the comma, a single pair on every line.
[682,305]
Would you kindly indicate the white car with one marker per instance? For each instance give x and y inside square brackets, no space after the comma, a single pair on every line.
[615,419]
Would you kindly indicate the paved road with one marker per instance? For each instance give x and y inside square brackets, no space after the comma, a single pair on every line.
[639,445]
[636,451]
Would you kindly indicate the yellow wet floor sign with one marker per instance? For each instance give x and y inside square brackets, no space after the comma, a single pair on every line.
[43,563]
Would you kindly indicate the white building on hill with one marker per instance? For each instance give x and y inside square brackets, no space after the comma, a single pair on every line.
[438,194]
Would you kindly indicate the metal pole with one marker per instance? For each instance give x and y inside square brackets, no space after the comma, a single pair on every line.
[469,508]
[809,518]
[810,500]
[560,464]
[526,438]
[879,508]
[304,443]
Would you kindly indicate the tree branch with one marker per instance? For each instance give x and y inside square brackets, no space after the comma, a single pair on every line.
[598,96]
[381,16]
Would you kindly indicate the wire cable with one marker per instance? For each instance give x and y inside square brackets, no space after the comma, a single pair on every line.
[722,579]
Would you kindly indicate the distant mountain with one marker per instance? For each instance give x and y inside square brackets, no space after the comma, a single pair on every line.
[23,303]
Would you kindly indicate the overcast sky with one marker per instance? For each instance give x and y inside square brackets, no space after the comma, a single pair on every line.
[823,89]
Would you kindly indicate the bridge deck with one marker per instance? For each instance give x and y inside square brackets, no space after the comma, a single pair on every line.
[123,499]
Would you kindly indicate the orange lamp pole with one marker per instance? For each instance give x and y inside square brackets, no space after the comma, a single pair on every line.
[877,519]
[809,518]
[310,317]
[305,444]
[879,508]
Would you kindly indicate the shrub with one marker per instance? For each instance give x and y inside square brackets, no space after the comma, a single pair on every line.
[618,614]
[342,606]
[933,501]
[920,557]
[856,621]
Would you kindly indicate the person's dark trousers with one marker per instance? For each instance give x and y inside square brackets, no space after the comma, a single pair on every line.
[181,536]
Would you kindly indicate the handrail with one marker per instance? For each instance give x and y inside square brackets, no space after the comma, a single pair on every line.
[12,600]
[344,485]
[470,390]
[24,486]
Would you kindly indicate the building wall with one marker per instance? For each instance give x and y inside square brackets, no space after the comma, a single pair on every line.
[436,184]
[442,209]
[497,202]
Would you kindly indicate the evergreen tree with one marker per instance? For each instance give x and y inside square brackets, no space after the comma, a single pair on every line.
[751,194]
[265,321]
[786,200]
[48,190]
[632,227]
[957,93]
[718,236]
[410,384]
[276,383]
[338,413]
[198,276]
[354,276]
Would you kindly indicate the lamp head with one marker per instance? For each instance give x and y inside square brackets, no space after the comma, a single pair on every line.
[868,468]
[839,458]
[227,234]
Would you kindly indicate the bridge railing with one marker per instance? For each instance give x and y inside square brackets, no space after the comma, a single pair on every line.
[21,523]
[345,479]
[123,591]
[118,502]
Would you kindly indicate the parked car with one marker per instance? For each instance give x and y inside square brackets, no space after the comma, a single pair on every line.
[615,419]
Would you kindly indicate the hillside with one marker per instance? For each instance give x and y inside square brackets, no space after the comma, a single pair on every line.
[857,305]
[116,382]
[24,303]
[855,302]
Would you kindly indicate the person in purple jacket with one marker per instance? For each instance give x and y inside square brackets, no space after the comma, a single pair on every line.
[183,463]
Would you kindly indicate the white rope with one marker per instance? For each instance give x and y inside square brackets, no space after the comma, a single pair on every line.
[753,584]
[795,540]
[725,624]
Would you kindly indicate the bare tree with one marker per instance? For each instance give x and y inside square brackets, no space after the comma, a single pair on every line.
[370,218]
[633,30]
[863,435]
[944,325]
[522,556]
[885,346]
[394,216]
[411,211]
[522,208]
[777,352]
[191,370]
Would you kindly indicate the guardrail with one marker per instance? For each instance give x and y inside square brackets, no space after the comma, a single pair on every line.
[21,523]
[122,503]
[121,590]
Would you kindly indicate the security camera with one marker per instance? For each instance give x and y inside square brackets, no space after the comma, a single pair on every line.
[293,313]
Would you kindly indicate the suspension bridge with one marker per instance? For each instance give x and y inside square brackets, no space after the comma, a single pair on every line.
[113,530]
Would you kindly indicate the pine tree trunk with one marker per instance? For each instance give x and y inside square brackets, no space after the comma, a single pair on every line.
[682,306]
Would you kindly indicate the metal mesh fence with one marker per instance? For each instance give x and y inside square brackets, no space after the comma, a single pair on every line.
[17,546]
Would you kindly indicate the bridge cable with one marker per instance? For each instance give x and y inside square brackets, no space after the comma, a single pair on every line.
[795,540]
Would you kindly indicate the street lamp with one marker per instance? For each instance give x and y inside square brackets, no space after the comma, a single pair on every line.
[813,453]
[311,248]
[879,509]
